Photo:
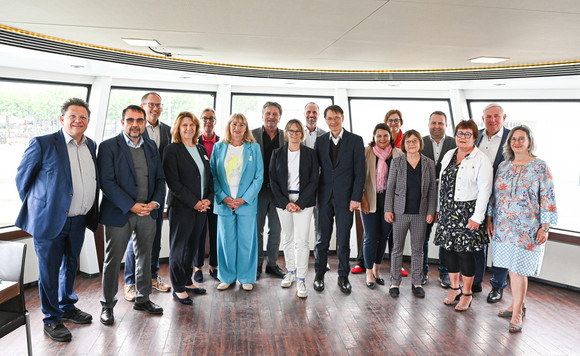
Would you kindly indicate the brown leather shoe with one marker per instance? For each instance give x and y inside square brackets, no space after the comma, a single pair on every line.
[130,292]
[158,284]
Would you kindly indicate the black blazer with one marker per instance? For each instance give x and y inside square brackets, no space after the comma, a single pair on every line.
[448,144]
[308,177]
[200,139]
[183,177]
[346,180]
[164,137]
[499,155]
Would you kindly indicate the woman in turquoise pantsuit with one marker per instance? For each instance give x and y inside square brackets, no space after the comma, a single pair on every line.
[238,172]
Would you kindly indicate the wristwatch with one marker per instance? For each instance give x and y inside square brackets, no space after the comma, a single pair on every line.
[546,228]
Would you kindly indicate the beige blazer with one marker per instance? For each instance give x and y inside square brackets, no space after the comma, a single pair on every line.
[370,188]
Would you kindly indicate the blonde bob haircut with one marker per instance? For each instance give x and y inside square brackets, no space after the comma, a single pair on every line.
[178,121]
[248,137]
[297,123]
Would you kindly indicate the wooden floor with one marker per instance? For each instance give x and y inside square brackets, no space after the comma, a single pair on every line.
[273,321]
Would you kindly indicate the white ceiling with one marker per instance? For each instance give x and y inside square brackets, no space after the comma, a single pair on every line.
[319,34]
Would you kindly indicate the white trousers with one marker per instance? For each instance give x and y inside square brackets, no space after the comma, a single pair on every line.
[295,233]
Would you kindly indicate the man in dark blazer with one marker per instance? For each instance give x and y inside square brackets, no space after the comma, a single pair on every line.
[160,133]
[133,187]
[491,141]
[58,184]
[435,145]
[269,137]
[340,188]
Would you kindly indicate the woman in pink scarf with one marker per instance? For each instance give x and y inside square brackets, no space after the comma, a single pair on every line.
[378,156]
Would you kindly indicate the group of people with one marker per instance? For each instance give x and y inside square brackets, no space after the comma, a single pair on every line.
[401,183]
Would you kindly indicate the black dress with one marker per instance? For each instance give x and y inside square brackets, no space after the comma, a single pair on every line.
[452,232]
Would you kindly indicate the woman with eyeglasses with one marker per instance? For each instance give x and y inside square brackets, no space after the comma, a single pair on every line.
[294,180]
[521,210]
[410,205]
[465,185]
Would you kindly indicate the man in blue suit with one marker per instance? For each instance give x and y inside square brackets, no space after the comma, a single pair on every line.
[491,141]
[160,133]
[133,186]
[340,187]
[58,185]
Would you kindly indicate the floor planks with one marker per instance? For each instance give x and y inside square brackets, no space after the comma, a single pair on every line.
[273,321]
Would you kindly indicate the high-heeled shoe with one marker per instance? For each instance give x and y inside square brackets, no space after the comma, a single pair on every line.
[187,300]
[459,308]
[379,280]
[508,313]
[515,328]
[371,285]
[448,301]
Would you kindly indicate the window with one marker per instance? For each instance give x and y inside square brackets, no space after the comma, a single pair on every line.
[292,108]
[366,113]
[173,103]
[27,109]
[548,119]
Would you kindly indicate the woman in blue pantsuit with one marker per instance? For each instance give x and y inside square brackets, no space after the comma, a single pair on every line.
[238,171]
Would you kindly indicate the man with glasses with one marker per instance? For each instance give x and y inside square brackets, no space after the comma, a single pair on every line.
[160,133]
[208,139]
[491,141]
[435,147]
[340,188]
[57,182]
[133,186]
[270,137]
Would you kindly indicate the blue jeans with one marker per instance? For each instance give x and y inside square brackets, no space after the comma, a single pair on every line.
[155,250]
[498,280]
[377,231]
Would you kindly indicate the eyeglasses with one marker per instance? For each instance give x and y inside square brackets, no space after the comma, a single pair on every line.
[518,139]
[132,121]
[462,134]
[152,105]
[207,118]
[393,121]
[293,132]
[411,142]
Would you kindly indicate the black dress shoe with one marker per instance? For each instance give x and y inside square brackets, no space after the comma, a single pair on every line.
[394,292]
[344,284]
[419,292]
[476,288]
[77,316]
[187,300]
[214,274]
[57,331]
[495,295]
[380,281]
[107,317]
[275,271]
[198,290]
[319,282]
[149,307]
[198,276]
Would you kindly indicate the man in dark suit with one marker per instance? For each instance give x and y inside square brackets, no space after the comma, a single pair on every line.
[269,137]
[436,144]
[342,177]
[133,187]
[58,185]
[491,141]
[160,133]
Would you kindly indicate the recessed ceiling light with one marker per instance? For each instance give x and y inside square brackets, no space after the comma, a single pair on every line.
[499,84]
[143,42]
[76,66]
[488,59]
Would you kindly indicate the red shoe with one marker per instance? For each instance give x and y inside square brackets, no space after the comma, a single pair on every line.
[357,270]
[403,272]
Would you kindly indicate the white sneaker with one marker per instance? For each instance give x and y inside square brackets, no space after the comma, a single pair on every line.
[223,286]
[301,289]
[289,278]
[247,286]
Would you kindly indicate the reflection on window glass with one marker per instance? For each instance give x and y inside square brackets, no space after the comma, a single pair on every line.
[367,113]
[292,108]
[547,119]
[27,109]
[173,104]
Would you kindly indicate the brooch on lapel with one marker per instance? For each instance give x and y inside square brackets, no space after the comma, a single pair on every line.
[205,156]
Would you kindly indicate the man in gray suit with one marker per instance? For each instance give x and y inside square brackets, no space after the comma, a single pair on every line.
[436,144]
[270,137]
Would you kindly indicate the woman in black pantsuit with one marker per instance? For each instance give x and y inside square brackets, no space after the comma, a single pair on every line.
[190,183]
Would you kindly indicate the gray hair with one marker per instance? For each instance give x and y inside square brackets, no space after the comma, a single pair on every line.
[508,153]
[493,105]
[274,104]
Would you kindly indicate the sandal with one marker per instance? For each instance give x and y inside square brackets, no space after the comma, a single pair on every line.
[448,301]
[459,308]
[515,328]
[508,313]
